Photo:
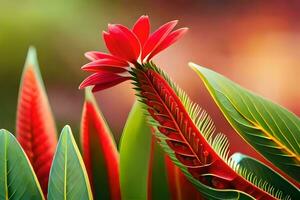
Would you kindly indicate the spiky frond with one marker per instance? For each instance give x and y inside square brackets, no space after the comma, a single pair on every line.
[199,116]
[187,134]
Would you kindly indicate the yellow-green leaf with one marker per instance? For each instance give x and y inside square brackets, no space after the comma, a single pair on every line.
[271,129]
[17,178]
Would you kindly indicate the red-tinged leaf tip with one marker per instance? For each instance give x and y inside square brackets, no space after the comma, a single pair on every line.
[100,154]
[142,29]
[157,37]
[35,127]
[168,41]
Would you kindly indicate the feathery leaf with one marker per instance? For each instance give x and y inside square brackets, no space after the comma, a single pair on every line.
[35,127]
[186,133]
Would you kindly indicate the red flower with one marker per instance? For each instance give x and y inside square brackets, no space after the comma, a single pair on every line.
[127,47]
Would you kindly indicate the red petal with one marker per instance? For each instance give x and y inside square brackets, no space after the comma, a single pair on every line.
[132,39]
[111,44]
[35,126]
[100,153]
[104,65]
[100,87]
[157,37]
[142,29]
[123,43]
[102,80]
[95,55]
[168,41]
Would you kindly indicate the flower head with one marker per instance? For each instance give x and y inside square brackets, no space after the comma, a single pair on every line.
[127,47]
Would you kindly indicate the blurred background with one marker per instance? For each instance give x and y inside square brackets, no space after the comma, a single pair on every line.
[254,43]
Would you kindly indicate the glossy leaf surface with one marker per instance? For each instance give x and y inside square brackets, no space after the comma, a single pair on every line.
[100,153]
[261,170]
[158,186]
[135,148]
[68,177]
[271,129]
[17,178]
[35,127]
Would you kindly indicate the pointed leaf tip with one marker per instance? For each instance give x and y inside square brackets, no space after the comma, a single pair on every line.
[89,94]
[31,58]
[100,153]
[35,120]
[70,178]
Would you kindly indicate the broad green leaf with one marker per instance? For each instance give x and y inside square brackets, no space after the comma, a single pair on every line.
[271,129]
[135,150]
[158,179]
[139,152]
[17,178]
[266,173]
[68,177]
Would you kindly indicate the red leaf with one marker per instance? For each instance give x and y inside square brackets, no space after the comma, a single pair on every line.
[180,187]
[100,154]
[35,126]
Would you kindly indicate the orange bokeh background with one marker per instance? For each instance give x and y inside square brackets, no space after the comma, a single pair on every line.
[254,43]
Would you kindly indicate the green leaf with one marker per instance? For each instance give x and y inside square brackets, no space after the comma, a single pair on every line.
[271,129]
[68,176]
[139,152]
[266,173]
[158,178]
[17,178]
[135,150]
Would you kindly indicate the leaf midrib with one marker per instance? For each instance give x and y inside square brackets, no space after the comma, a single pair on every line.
[171,115]
[65,166]
[274,139]
[5,167]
